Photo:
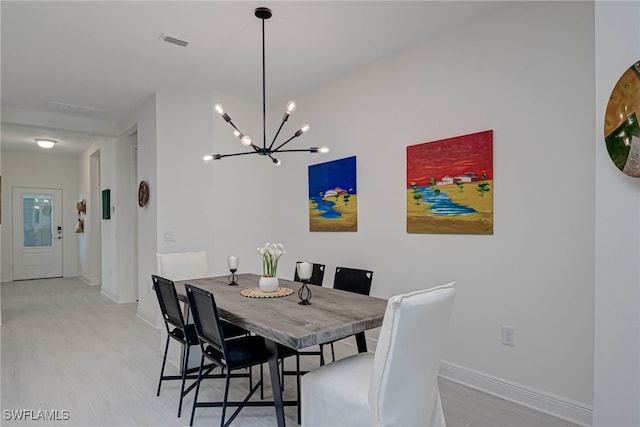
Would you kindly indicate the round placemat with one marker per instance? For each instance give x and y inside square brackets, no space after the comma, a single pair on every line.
[257,293]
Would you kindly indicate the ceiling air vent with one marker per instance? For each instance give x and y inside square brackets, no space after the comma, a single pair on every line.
[76,110]
[173,40]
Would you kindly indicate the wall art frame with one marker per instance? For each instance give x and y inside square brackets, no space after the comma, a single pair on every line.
[449,186]
[333,196]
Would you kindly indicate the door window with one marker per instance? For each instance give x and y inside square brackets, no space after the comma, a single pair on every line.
[37,220]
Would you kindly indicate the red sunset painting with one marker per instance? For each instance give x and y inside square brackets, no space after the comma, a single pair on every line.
[450,185]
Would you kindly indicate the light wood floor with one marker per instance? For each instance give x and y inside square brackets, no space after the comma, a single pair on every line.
[67,347]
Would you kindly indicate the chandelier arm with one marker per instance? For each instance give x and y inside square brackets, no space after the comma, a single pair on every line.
[278,133]
[299,150]
[286,142]
[234,126]
[239,154]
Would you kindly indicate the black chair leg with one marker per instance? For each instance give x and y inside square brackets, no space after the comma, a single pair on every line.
[261,377]
[333,354]
[321,354]
[226,396]
[195,397]
[185,364]
[164,362]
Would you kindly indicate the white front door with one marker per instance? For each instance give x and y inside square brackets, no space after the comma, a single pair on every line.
[37,233]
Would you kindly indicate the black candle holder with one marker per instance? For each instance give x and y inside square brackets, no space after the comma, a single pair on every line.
[233,277]
[304,293]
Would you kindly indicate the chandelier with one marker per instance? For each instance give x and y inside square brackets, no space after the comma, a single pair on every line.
[263,13]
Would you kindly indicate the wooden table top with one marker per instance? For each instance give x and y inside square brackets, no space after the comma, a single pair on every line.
[333,314]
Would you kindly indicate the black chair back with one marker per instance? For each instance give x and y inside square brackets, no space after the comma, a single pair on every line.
[317,274]
[206,318]
[353,280]
[168,300]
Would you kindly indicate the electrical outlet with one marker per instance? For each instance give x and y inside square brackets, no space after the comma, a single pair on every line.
[508,336]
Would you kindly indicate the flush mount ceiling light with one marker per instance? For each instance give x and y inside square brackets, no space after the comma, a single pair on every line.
[263,13]
[45,143]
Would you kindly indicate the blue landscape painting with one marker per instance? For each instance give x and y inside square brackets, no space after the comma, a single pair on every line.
[333,204]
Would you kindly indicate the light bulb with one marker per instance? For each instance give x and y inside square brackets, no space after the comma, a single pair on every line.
[304,128]
[218,108]
[246,140]
[276,162]
[291,107]
[237,133]
[207,157]
[45,143]
[324,149]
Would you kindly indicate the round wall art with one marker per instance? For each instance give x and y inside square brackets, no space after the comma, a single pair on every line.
[143,193]
[621,128]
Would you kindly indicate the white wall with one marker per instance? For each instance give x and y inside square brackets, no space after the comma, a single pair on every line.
[525,71]
[1,218]
[32,170]
[88,269]
[617,286]
[147,216]
[115,175]
[84,192]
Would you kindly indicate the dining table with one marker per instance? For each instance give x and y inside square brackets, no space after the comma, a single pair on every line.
[331,315]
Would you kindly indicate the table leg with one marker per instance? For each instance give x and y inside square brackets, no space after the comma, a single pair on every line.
[361,341]
[274,373]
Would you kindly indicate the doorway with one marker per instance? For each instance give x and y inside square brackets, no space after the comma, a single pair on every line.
[37,233]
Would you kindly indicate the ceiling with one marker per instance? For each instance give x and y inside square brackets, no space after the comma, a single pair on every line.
[108,55]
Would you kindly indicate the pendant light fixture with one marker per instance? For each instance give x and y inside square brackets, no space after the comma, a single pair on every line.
[264,13]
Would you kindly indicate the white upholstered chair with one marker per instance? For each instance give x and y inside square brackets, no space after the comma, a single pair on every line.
[181,266]
[396,386]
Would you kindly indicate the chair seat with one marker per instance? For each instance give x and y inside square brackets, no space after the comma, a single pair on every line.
[230,330]
[323,395]
[243,352]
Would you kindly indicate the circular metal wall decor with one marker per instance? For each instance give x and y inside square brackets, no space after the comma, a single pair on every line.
[621,128]
[143,193]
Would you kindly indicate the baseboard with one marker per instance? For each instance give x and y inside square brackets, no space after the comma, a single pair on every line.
[90,282]
[548,403]
[109,295]
[150,318]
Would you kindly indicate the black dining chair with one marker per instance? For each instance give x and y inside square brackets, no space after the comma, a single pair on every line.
[317,274]
[181,332]
[230,354]
[351,280]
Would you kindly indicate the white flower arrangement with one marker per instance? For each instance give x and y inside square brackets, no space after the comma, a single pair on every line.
[271,253]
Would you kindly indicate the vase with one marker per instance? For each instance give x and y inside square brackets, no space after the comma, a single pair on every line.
[268,284]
